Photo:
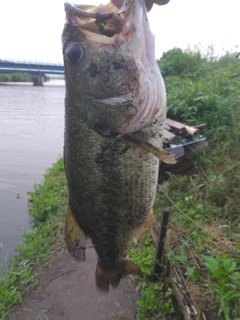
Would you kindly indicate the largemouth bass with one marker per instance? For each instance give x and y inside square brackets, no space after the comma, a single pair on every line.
[114,112]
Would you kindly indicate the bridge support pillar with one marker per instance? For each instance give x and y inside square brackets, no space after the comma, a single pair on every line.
[37,80]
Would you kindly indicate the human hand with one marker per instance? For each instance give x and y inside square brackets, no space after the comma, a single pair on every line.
[149,3]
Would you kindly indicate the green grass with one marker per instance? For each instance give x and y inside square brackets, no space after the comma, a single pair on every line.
[156,298]
[205,236]
[47,209]
[206,207]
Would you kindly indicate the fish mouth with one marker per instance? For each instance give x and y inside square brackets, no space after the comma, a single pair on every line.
[105,20]
[127,28]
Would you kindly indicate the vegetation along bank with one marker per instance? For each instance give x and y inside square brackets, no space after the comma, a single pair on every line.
[15,77]
[203,247]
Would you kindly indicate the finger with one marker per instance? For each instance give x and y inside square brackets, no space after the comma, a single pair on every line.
[161,2]
[117,3]
[149,3]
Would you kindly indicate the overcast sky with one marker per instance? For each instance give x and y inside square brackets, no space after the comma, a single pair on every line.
[31,30]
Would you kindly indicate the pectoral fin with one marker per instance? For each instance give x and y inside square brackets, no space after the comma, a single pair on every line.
[162,155]
[75,237]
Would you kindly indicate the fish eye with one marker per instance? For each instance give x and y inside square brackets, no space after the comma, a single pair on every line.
[74,52]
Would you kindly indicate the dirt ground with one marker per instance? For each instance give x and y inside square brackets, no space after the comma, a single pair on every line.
[67,290]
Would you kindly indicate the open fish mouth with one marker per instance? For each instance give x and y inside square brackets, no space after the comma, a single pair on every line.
[116,25]
[107,20]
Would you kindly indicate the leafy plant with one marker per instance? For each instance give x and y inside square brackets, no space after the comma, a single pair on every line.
[201,89]
[144,255]
[177,62]
[227,288]
[193,274]
[154,301]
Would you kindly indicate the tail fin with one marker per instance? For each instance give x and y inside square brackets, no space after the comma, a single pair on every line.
[75,237]
[106,277]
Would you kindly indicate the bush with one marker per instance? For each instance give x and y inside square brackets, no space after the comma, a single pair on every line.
[15,77]
[176,62]
[201,89]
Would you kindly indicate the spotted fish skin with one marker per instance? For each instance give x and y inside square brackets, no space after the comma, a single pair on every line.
[112,180]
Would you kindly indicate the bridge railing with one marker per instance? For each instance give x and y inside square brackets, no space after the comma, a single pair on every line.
[33,62]
[31,67]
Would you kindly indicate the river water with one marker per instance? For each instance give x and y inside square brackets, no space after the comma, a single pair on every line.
[31,139]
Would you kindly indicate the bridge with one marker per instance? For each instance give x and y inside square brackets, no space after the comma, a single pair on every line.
[36,70]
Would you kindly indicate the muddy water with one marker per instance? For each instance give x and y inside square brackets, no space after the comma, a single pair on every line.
[31,139]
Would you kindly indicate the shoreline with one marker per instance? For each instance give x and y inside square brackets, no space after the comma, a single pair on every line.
[47,211]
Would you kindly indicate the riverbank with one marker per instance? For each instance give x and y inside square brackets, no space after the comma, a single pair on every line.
[48,208]
[15,77]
